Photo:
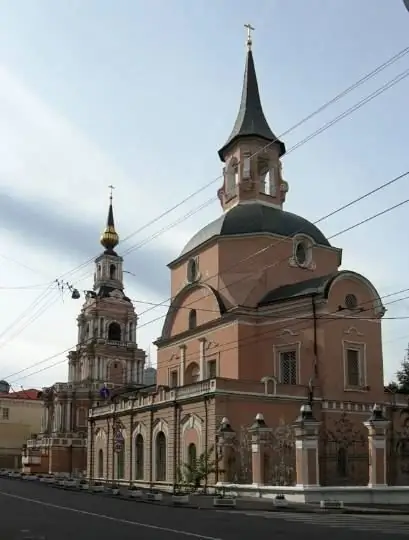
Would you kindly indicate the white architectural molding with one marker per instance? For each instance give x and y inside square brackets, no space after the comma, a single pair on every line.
[192,421]
[161,426]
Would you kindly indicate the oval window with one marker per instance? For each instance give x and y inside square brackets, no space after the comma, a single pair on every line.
[301,253]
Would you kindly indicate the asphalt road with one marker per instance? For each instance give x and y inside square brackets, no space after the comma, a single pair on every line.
[57,514]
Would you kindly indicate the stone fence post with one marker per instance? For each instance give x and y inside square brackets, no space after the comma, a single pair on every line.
[225,450]
[306,431]
[259,432]
[377,426]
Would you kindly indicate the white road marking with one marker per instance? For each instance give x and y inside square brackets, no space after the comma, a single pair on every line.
[381,524]
[110,518]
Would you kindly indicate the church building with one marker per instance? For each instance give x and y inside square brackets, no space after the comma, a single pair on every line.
[262,322]
[106,358]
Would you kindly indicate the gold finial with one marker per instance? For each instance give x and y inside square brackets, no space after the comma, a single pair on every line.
[109,238]
[249,41]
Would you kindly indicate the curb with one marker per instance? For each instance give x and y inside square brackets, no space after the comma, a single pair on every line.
[237,509]
[287,509]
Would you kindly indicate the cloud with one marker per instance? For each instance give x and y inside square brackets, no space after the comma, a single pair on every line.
[40,224]
[45,157]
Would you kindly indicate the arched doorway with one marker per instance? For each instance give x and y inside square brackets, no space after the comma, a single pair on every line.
[161,444]
[100,463]
[139,461]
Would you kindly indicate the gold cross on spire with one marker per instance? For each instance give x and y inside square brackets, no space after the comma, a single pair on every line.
[111,189]
[250,29]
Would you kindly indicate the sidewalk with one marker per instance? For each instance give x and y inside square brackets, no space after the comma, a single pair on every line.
[265,505]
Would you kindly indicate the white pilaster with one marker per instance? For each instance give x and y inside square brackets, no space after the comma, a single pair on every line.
[202,358]
[182,364]
[68,416]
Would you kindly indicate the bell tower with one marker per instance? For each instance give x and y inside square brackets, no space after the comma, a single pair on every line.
[252,153]
[107,350]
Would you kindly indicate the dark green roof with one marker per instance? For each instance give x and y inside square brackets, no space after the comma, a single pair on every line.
[310,287]
[256,218]
[251,121]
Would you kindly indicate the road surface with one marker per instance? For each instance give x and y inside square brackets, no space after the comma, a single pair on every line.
[56,514]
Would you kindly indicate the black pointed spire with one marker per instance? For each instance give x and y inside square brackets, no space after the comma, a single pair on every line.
[110,239]
[251,121]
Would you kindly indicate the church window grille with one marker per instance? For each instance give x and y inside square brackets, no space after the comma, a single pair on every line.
[288,367]
[353,367]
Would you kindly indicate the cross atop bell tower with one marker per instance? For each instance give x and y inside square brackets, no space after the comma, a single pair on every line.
[109,271]
[249,41]
[252,152]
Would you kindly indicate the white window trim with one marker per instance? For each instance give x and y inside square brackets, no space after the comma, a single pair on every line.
[287,347]
[212,359]
[170,371]
[361,348]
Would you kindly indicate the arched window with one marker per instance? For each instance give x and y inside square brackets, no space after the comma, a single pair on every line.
[191,455]
[267,177]
[99,271]
[192,319]
[192,373]
[101,327]
[139,473]
[120,463]
[114,332]
[112,271]
[161,457]
[101,463]
[130,336]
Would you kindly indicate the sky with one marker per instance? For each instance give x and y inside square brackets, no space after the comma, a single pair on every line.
[141,95]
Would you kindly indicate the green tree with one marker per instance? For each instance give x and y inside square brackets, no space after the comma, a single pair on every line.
[401,385]
[197,471]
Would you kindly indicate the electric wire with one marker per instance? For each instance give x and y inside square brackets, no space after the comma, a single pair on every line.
[362,102]
[317,111]
[286,323]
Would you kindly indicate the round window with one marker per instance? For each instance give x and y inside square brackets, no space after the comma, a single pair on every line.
[301,253]
[350,301]
[192,270]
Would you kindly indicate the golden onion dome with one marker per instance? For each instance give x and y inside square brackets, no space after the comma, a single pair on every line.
[109,238]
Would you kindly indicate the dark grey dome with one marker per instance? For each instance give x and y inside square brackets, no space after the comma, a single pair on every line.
[255,218]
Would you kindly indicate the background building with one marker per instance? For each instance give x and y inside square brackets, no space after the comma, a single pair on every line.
[20,417]
[106,357]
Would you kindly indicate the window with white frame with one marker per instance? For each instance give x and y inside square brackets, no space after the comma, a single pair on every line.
[211,369]
[353,365]
[288,366]
[173,378]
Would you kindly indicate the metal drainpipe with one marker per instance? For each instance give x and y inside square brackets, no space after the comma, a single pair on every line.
[107,451]
[131,462]
[91,459]
[175,444]
[113,443]
[151,449]
[206,439]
